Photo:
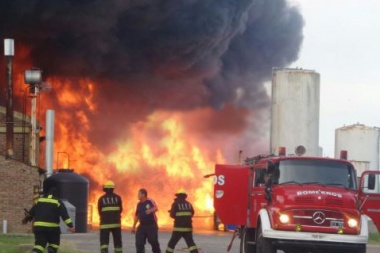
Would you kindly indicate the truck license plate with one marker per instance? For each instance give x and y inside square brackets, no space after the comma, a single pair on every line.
[335,223]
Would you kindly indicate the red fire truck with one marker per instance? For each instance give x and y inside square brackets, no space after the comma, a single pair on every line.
[297,204]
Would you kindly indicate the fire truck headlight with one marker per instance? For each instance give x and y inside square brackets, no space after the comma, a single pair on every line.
[352,223]
[284,218]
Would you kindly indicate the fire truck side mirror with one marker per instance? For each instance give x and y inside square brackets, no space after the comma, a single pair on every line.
[371,181]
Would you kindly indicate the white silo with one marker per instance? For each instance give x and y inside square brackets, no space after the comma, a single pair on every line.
[362,144]
[295,110]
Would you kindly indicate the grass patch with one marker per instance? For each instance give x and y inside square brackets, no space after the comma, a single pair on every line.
[24,244]
[374,238]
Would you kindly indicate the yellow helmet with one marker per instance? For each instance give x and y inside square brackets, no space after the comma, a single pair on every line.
[109,185]
[181,191]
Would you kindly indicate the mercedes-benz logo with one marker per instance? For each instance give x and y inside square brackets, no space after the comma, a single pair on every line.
[319,217]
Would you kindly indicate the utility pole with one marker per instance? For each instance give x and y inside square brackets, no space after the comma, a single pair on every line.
[9,53]
[33,118]
[33,78]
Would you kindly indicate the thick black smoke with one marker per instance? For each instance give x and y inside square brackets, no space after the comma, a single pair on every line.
[201,52]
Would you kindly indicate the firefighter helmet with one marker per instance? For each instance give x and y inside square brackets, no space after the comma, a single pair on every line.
[109,185]
[181,191]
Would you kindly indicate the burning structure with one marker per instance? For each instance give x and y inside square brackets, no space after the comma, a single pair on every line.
[153,93]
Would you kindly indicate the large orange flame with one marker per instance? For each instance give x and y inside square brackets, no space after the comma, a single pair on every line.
[158,154]
[160,150]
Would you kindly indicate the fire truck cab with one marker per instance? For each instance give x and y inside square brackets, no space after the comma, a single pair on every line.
[297,204]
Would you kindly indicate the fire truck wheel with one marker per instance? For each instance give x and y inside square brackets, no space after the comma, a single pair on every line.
[247,241]
[263,245]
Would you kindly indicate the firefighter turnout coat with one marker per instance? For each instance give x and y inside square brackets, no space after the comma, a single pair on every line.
[110,207]
[46,214]
[182,212]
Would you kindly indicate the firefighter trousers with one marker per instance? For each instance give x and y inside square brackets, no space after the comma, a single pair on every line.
[105,239]
[43,238]
[176,236]
[150,233]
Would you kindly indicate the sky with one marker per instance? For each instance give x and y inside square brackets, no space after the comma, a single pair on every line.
[342,43]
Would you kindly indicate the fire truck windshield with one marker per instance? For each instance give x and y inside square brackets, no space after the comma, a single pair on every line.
[324,172]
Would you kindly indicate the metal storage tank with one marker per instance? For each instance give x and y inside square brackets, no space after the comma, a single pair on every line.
[295,110]
[74,188]
[362,144]
[360,166]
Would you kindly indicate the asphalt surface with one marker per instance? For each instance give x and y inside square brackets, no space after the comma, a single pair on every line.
[207,242]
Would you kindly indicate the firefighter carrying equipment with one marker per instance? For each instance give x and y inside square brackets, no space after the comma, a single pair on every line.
[109,185]
[46,214]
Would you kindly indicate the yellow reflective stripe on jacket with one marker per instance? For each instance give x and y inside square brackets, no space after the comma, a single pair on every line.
[179,214]
[68,221]
[46,224]
[110,208]
[105,226]
[105,246]
[182,229]
[48,200]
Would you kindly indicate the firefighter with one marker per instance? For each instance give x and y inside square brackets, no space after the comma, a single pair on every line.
[148,228]
[46,215]
[182,212]
[110,207]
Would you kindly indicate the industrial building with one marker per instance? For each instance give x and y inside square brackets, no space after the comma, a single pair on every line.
[20,182]
[21,178]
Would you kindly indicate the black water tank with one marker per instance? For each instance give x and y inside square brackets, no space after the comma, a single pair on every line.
[74,188]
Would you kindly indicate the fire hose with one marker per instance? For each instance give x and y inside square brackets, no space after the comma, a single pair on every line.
[232,240]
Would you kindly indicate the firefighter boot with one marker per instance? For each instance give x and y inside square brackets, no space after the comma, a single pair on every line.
[52,249]
[104,250]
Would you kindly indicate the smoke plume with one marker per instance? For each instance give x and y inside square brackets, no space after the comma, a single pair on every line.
[217,51]
[146,55]
[127,75]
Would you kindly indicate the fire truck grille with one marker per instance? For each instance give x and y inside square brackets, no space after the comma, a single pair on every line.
[304,200]
[320,218]
[334,202]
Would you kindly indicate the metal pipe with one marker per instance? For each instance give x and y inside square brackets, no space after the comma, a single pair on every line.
[5,226]
[49,151]
[9,53]
[240,157]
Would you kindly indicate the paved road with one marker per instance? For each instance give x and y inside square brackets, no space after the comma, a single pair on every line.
[208,242]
